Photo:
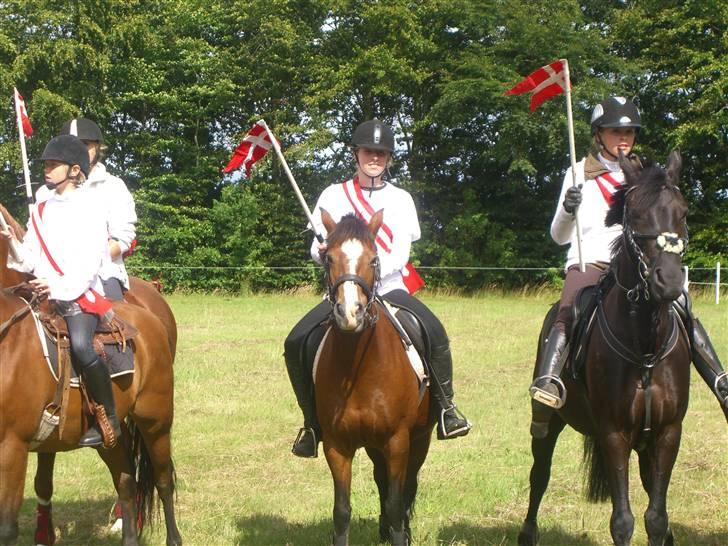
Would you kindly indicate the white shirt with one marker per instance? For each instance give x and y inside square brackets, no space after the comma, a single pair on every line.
[72,229]
[117,206]
[400,215]
[596,238]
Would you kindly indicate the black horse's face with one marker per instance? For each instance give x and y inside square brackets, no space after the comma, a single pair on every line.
[656,232]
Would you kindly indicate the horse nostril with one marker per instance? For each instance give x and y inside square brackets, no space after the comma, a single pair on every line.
[339,309]
[359,308]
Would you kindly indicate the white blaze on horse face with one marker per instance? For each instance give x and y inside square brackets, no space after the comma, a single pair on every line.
[352,250]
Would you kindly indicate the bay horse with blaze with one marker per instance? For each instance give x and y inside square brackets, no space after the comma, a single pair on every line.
[634,393]
[367,394]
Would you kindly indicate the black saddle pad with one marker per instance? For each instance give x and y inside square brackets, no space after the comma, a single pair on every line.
[119,362]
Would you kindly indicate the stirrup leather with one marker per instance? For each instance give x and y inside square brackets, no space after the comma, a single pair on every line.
[547,398]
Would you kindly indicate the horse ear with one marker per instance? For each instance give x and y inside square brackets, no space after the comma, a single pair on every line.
[630,170]
[376,222]
[674,166]
[328,221]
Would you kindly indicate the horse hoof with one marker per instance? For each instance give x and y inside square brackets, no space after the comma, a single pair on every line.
[528,535]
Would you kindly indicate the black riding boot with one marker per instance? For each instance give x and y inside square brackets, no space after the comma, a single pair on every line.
[548,388]
[306,443]
[708,365]
[98,384]
[451,423]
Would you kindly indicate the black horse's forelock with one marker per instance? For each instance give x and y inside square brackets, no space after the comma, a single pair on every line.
[644,191]
[349,227]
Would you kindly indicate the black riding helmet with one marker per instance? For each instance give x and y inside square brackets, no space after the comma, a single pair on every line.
[374,135]
[615,112]
[67,149]
[83,128]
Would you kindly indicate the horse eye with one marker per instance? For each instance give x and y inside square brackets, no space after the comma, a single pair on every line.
[374,261]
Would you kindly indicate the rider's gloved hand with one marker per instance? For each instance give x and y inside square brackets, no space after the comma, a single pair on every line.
[572,199]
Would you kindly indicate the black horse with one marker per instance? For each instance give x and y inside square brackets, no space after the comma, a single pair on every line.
[633,392]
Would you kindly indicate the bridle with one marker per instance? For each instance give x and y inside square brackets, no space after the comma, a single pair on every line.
[371,291]
[666,241]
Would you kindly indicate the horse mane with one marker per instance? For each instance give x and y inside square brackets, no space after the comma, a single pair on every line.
[12,222]
[350,227]
[645,190]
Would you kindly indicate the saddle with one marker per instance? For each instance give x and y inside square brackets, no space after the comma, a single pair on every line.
[108,332]
[583,319]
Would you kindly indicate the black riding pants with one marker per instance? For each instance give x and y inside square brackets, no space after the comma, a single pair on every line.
[81,329]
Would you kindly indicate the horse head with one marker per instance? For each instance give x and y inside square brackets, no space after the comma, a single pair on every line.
[9,277]
[352,269]
[652,212]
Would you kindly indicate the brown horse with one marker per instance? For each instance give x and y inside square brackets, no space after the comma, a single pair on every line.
[366,391]
[146,398]
[637,372]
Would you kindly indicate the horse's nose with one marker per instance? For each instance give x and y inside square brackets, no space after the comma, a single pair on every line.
[339,309]
[668,281]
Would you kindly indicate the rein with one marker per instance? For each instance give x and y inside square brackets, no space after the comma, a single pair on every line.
[20,313]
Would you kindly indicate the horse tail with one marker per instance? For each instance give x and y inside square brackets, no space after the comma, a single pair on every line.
[144,475]
[596,483]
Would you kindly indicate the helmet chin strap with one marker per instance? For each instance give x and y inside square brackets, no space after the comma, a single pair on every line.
[52,186]
[373,178]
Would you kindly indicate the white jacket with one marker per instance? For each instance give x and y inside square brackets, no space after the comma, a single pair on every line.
[596,238]
[117,206]
[72,229]
[399,214]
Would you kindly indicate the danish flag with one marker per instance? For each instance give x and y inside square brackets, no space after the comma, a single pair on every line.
[252,148]
[24,119]
[544,83]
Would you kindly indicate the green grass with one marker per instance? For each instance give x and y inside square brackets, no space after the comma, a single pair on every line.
[236,418]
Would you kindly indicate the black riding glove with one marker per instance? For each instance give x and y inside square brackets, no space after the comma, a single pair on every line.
[572,199]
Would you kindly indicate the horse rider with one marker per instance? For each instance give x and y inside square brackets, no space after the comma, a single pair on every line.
[615,124]
[64,248]
[369,191]
[114,200]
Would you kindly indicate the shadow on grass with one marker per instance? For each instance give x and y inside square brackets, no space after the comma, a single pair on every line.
[82,522]
[261,529]
[507,533]
[685,534]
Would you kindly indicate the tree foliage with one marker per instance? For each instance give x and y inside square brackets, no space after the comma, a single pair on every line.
[175,84]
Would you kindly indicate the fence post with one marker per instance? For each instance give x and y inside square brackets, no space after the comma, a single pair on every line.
[686,284]
[717,282]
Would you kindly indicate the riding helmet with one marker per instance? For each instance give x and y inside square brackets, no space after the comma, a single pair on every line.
[615,112]
[374,135]
[67,149]
[83,128]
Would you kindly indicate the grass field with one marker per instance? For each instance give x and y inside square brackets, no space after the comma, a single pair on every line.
[236,418]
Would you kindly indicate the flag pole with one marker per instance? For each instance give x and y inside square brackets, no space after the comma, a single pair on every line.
[572,154]
[23,152]
[292,180]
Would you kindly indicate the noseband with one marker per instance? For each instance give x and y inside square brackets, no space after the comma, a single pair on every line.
[666,241]
[370,291]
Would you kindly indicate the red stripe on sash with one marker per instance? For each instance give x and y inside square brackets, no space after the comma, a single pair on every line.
[367,206]
[359,214]
[43,246]
[603,182]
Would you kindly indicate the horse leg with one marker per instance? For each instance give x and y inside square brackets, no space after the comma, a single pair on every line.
[340,465]
[419,447]
[117,461]
[45,534]
[542,450]
[659,460]
[616,452]
[380,478]
[396,452]
[13,465]
[159,450]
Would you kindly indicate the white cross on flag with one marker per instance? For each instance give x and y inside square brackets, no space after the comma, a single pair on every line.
[252,148]
[27,128]
[544,83]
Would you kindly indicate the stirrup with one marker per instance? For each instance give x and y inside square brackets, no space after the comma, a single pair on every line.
[307,452]
[716,390]
[442,434]
[547,398]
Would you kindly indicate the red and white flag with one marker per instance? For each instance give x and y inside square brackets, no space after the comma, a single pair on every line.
[24,119]
[544,83]
[252,148]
